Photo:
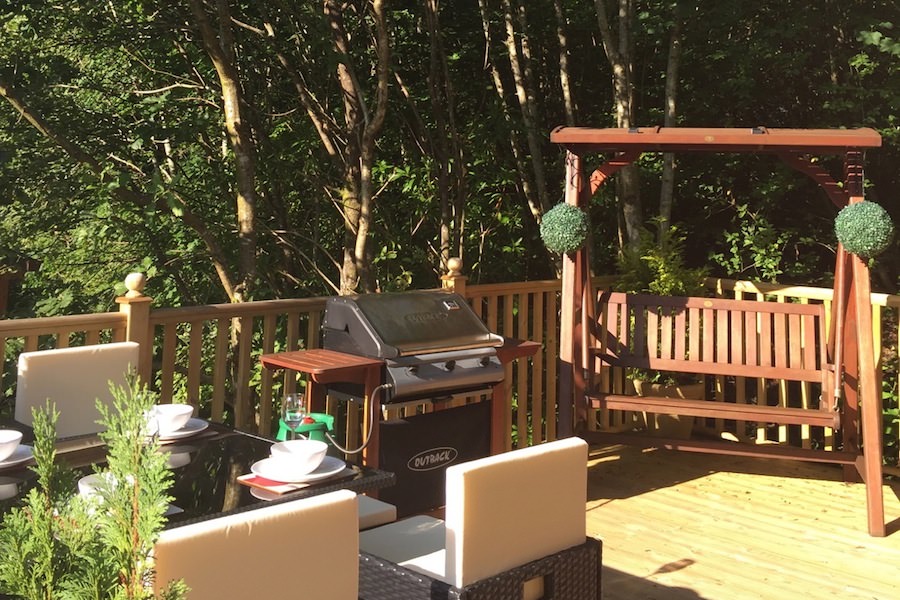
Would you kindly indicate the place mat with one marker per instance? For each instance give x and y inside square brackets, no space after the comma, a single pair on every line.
[277,487]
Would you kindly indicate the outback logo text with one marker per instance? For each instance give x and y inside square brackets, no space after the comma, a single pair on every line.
[431,459]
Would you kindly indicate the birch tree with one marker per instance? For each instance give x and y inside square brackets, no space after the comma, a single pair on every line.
[219,44]
[362,125]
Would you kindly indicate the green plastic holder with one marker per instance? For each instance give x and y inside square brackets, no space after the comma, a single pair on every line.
[314,431]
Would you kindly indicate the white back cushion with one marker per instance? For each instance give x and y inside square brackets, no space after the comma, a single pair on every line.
[302,549]
[506,510]
[73,379]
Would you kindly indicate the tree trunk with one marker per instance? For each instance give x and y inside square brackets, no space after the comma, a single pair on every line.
[374,123]
[221,51]
[520,63]
[361,130]
[458,170]
[439,105]
[528,189]
[324,125]
[564,80]
[619,53]
[668,172]
[105,173]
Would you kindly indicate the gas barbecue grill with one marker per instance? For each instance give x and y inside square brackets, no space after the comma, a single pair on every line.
[431,342]
[434,347]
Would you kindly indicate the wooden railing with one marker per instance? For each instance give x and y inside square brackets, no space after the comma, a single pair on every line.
[209,355]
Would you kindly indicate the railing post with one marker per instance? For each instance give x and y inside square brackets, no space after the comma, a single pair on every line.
[136,307]
[454,280]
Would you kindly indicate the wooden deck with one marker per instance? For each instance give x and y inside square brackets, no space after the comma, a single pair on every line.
[679,526]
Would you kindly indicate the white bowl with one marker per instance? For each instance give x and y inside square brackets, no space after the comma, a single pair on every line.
[296,458]
[176,460]
[87,485]
[171,417]
[8,490]
[9,441]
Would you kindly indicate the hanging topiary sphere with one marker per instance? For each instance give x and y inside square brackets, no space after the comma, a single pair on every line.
[864,228]
[564,228]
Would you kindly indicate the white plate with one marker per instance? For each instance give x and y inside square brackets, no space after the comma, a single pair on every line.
[193,426]
[267,468]
[264,494]
[20,455]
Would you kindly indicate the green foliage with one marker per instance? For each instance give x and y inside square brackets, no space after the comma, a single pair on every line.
[864,228]
[60,544]
[131,85]
[564,228]
[756,249]
[659,267]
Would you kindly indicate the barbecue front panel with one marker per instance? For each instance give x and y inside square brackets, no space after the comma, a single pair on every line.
[427,375]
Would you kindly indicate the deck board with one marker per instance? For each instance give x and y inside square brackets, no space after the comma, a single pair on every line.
[681,526]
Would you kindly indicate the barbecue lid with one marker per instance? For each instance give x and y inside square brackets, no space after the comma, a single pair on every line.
[423,322]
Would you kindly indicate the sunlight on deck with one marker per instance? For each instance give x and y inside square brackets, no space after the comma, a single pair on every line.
[679,526]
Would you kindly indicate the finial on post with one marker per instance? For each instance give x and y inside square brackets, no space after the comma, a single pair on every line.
[135,283]
[454,279]
[454,267]
[136,308]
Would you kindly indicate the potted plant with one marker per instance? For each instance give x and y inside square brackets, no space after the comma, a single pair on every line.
[59,544]
[657,267]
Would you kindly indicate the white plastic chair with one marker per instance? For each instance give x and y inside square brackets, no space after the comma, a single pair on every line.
[302,549]
[511,521]
[73,379]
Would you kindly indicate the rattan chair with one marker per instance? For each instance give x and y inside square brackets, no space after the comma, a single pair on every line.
[73,379]
[305,549]
[515,529]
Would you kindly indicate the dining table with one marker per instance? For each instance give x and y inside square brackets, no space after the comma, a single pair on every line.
[208,461]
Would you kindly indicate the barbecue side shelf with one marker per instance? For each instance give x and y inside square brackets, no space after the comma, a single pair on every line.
[324,367]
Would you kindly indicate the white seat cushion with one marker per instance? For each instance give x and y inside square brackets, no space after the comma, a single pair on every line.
[73,379]
[374,512]
[309,546]
[415,542]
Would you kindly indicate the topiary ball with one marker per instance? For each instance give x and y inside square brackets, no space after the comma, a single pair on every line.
[564,228]
[864,229]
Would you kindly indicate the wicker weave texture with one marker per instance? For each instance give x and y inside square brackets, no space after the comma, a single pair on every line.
[571,574]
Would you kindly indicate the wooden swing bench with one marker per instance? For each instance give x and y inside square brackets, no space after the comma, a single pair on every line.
[728,338]
[718,337]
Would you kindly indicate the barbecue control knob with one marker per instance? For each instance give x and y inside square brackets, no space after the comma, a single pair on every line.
[450,365]
[484,361]
[412,369]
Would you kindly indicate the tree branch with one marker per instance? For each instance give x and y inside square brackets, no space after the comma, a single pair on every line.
[123,193]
